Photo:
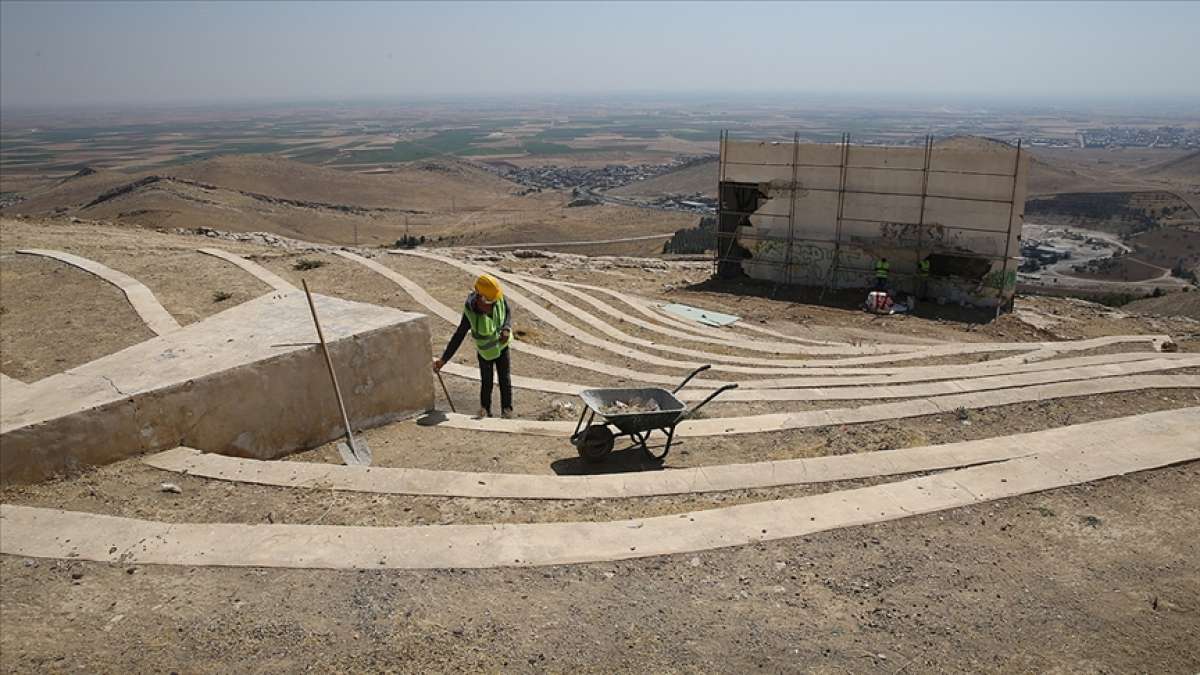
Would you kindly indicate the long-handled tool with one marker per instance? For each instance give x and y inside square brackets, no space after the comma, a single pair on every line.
[352,452]
[444,391]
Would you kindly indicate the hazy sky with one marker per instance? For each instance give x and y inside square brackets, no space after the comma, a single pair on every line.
[139,52]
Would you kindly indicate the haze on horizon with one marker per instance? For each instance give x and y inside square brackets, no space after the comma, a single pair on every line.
[135,53]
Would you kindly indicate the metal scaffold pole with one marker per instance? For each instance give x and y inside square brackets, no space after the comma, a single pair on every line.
[1012,209]
[718,243]
[924,194]
[837,236]
[791,241]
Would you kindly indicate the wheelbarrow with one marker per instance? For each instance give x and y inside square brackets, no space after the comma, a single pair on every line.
[634,413]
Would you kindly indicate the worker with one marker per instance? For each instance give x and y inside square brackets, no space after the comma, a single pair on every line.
[881,274]
[488,317]
[923,278]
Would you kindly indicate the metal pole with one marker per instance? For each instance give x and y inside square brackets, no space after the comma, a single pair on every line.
[1012,207]
[924,194]
[787,260]
[720,202]
[837,236]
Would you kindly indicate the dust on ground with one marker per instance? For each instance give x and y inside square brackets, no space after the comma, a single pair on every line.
[1099,577]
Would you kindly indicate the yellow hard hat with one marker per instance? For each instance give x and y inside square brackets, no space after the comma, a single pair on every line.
[488,288]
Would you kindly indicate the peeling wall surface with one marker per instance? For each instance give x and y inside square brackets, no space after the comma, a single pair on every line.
[250,381]
[826,213]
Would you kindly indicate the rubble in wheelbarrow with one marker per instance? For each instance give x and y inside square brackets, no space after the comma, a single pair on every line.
[633,406]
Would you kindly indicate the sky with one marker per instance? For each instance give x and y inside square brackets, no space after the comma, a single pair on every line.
[134,53]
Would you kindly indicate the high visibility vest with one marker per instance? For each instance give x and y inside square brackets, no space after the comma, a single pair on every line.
[881,269]
[923,268]
[485,328]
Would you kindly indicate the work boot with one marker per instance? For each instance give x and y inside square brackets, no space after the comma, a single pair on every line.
[483,412]
[507,413]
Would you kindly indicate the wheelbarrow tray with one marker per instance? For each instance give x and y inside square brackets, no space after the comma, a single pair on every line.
[670,408]
[595,441]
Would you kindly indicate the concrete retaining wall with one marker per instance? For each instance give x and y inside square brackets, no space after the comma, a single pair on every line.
[271,398]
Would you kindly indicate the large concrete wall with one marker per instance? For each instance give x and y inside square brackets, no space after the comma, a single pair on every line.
[250,381]
[888,210]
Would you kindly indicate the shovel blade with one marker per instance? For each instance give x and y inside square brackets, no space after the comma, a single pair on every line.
[357,455]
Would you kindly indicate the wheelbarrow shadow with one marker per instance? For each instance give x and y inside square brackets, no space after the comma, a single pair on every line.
[627,460]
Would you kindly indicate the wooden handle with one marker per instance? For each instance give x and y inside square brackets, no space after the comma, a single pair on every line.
[329,362]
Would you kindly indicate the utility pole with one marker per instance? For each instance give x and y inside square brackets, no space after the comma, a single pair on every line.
[356,234]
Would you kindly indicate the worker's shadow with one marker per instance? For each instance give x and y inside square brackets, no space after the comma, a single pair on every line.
[627,460]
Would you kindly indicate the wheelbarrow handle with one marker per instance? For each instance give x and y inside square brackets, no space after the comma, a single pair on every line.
[710,397]
[687,379]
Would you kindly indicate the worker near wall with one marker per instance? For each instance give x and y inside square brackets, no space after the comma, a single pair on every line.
[881,274]
[923,278]
[488,317]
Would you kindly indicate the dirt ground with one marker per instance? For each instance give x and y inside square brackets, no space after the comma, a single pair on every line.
[1100,577]
[1096,578]
[89,317]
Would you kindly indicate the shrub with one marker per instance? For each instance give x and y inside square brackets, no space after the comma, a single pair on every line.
[308,264]
[221,296]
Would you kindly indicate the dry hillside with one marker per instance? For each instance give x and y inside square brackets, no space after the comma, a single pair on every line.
[697,178]
[1172,304]
[427,185]
[1183,171]
[446,199]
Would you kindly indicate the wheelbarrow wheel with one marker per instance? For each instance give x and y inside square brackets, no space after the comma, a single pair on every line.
[595,443]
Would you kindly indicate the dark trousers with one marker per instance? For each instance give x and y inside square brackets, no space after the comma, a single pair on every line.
[881,283]
[503,367]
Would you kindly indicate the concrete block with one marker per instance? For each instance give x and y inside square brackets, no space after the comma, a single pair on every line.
[250,381]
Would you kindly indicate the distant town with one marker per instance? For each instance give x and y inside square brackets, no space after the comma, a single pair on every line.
[1177,138]
[554,177]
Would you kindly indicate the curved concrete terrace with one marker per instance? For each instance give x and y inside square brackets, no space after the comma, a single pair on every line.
[526,303]
[719,361]
[752,424]
[153,314]
[650,309]
[614,312]
[1139,443]
[846,389]
[725,477]
[261,273]
[1046,349]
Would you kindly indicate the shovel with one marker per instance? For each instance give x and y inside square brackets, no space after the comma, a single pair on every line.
[444,391]
[354,453]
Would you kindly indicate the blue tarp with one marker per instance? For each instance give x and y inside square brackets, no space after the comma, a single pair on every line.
[704,316]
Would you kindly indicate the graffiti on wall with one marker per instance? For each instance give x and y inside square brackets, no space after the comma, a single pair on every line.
[1001,280]
[911,234]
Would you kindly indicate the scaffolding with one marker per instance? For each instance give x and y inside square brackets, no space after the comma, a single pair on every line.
[863,203]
